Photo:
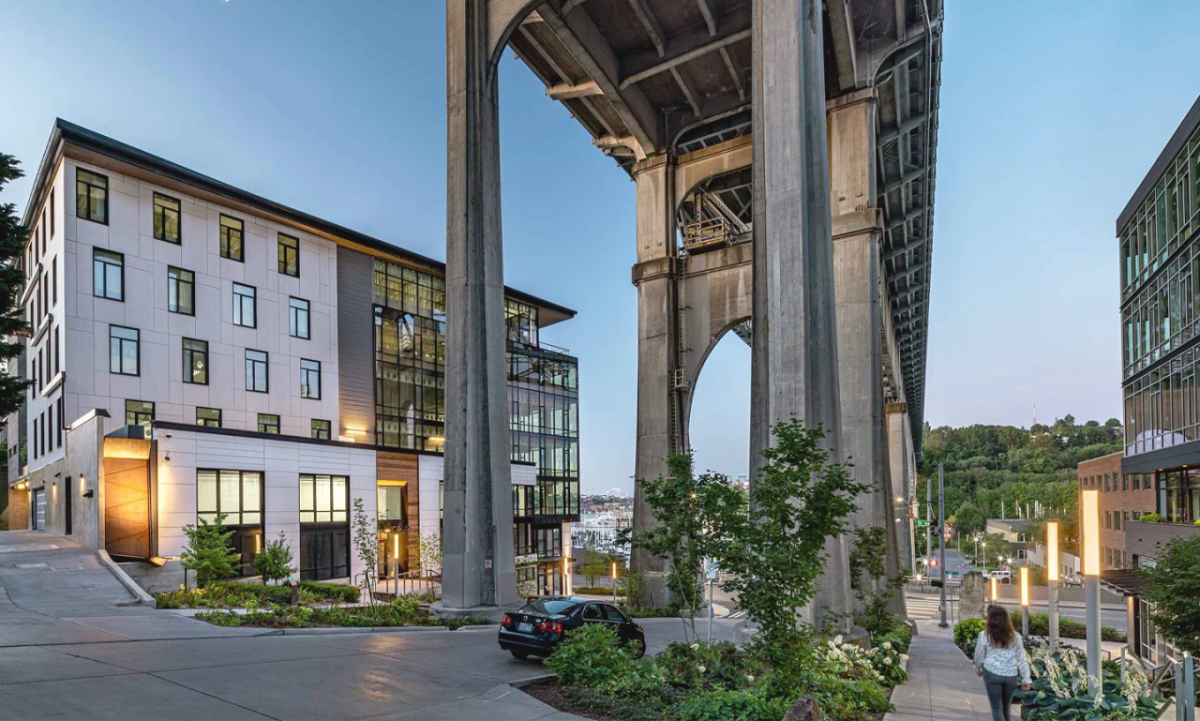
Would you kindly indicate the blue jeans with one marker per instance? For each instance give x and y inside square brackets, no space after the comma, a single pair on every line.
[1000,690]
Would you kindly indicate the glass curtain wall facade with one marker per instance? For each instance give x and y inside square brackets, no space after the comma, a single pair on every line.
[1160,309]
[543,383]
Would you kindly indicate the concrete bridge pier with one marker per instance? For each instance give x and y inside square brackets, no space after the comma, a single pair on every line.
[794,358]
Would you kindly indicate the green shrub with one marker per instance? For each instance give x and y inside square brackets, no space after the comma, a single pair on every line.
[597,590]
[1150,518]
[208,552]
[844,699]
[966,632]
[338,592]
[589,656]
[900,636]
[403,611]
[722,705]
[707,666]
[220,618]
[1039,625]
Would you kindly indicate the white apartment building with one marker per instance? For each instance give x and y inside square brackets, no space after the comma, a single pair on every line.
[197,350]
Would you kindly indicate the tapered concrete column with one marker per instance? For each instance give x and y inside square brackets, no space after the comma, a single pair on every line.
[658,434]
[477,567]
[857,227]
[794,370]
[897,447]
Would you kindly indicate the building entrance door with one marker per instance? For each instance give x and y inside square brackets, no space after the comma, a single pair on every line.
[39,509]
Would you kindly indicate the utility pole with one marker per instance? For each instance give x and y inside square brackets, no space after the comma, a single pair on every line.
[929,528]
[942,541]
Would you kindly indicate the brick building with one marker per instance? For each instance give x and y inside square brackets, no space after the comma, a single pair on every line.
[1123,498]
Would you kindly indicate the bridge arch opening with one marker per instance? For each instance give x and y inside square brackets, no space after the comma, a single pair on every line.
[719,405]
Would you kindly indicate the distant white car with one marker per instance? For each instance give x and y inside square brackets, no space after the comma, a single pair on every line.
[1004,576]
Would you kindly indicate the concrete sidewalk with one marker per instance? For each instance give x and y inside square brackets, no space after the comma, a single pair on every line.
[942,685]
[56,591]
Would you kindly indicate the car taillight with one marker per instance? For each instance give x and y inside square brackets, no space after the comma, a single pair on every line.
[506,621]
[639,628]
[551,627]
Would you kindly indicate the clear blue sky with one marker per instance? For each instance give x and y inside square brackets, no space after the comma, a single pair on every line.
[1051,113]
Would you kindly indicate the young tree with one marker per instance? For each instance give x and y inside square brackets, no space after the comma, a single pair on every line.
[776,550]
[275,561]
[208,552]
[366,544]
[1174,586]
[12,281]
[695,516]
[429,549]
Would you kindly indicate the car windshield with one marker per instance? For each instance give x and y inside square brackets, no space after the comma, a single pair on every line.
[551,606]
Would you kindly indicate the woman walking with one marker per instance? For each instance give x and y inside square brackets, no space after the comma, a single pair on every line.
[1001,660]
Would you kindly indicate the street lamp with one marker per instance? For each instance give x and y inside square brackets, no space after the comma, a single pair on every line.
[1089,506]
[1052,580]
[1024,600]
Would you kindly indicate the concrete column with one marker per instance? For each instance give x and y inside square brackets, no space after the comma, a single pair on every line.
[897,448]
[794,369]
[477,563]
[658,419]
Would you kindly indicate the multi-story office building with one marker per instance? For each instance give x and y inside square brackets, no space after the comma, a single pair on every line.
[1159,236]
[198,350]
[1124,498]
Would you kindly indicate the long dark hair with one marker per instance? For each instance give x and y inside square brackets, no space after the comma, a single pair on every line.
[1000,631]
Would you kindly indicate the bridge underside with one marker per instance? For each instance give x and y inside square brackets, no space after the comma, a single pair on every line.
[795,208]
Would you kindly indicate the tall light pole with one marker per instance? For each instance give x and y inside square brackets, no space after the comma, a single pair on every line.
[942,541]
[928,521]
[1089,504]
[1052,580]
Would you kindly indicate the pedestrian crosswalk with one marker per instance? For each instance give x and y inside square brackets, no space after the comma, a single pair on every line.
[921,607]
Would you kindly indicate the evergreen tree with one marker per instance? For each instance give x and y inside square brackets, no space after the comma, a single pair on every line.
[12,282]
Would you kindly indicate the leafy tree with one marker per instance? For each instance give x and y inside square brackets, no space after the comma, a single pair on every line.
[1174,586]
[429,550]
[12,282]
[275,561]
[208,552]
[695,516]
[868,578]
[968,519]
[776,548]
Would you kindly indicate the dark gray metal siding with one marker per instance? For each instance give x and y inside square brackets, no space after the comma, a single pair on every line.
[356,343]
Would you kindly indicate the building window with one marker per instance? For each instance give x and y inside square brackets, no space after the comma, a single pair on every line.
[195,361]
[320,429]
[91,196]
[256,371]
[1117,521]
[210,417]
[52,212]
[138,413]
[123,350]
[181,291]
[324,499]
[232,231]
[268,423]
[166,218]
[245,311]
[235,494]
[298,326]
[61,421]
[1108,520]
[310,379]
[289,255]
[108,274]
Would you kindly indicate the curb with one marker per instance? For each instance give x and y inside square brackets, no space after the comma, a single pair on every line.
[339,630]
[138,592]
[523,682]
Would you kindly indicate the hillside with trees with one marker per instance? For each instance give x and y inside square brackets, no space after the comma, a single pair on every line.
[990,470]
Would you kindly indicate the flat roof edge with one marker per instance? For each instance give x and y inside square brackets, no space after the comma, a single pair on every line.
[1165,158]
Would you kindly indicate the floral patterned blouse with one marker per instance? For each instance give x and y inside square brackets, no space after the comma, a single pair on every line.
[1008,662]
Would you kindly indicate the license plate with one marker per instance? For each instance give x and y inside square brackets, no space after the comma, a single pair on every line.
[525,627]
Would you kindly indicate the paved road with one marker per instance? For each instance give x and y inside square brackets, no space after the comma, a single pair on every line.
[70,648]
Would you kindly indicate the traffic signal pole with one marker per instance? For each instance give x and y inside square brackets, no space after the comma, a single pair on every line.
[942,541]
[929,529]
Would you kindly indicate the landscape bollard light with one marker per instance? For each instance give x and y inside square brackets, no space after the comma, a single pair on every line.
[1052,580]
[1024,601]
[614,585]
[995,589]
[1089,506]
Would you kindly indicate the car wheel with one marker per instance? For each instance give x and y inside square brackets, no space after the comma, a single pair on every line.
[520,655]
[637,647]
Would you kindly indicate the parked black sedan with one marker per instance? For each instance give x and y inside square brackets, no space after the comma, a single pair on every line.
[537,628]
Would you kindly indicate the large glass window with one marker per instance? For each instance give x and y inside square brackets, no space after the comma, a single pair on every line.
[245,302]
[310,379]
[256,371]
[195,361]
[210,417]
[232,230]
[289,255]
[324,499]
[181,291]
[108,274]
[124,350]
[298,326]
[138,413]
[91,196]
[236,494]
[166,218]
